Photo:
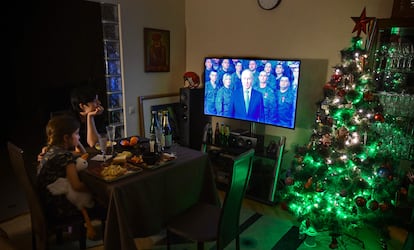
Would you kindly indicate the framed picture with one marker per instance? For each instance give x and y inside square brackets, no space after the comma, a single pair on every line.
[145,103]
[156,50]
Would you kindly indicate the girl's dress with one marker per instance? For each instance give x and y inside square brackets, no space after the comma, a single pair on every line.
[53,166]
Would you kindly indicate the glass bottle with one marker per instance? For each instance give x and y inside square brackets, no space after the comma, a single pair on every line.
[209,134]
[152,131]
[222,135]
[166,130]
[217,134]
[227,135]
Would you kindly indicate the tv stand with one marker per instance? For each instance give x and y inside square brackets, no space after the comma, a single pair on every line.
[265,173]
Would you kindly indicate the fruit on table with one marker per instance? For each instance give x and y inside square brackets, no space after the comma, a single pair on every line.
[133,140]
[130,142]
[124,142]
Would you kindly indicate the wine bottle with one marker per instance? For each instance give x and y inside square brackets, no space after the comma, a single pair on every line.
[222,135]
[166,130]
[209,134]
[217,134]
[152,131]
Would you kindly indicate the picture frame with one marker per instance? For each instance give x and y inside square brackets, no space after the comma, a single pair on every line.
[156,50]
[144,108]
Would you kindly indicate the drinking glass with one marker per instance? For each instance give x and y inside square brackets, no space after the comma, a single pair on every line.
[103,140]
[110,131]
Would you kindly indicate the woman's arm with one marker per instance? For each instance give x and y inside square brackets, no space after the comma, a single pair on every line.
[92,135]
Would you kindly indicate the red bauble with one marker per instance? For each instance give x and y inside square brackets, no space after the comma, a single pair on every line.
[341,92]
[343,193]
[379,117]
[403,191]
[334,243]
[289,181]
[373,205]
[360,201]
[384,206]
[284,206]
[368,96]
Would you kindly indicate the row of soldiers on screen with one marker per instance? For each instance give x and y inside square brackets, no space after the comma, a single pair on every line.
[278,101]
[274,69]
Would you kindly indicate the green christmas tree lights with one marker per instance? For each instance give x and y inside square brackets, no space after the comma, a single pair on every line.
[346,177]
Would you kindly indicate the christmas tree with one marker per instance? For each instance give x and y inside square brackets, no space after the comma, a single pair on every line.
[347,175]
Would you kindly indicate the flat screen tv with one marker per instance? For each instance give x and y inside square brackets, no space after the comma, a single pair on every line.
[258,90]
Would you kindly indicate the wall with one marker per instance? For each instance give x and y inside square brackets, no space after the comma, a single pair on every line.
[157,14]
[314,31]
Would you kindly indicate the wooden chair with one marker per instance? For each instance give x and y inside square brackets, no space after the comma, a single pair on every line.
[207,223]
[42,228]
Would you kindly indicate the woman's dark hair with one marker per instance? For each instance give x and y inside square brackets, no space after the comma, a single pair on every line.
[83,94]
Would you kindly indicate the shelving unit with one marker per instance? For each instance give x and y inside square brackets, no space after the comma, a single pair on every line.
[265,172]
[113,67]
[393,68]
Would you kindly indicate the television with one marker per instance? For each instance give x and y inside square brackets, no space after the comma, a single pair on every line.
[260,90]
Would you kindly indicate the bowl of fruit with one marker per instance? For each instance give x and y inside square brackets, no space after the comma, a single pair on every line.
[129,142]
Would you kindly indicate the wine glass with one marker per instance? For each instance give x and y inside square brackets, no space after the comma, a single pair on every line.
[110,130]
[103,140]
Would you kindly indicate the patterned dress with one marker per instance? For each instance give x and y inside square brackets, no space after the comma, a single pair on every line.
[53,166]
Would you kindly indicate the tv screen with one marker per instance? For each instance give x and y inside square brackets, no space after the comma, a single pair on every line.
[258,90]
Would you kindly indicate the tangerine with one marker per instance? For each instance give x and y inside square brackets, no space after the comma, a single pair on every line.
[133,140]
[124,143]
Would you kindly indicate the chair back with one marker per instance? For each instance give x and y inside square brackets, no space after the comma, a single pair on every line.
[230,213]
[38,219]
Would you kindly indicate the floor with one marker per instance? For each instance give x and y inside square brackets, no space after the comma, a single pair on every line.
[17,226]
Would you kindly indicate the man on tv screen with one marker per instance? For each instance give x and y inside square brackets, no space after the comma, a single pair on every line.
[246,102]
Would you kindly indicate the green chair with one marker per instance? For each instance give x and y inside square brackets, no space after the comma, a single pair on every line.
[208,223]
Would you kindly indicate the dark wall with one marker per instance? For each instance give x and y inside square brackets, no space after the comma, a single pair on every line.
[53,46]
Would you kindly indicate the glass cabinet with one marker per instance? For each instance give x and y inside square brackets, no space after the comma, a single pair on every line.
[392,65]
[113,67]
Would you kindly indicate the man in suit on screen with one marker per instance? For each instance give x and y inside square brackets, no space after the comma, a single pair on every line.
[246,102]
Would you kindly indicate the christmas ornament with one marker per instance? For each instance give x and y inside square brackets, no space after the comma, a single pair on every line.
[384,206]
[334,243]
[373,205]
[284,206]
[343,193]
[383,172]
[326,140]
[361,22]
[379,117]
[192,79]
[308,183]
[360,201]
[368,96]
[289,181]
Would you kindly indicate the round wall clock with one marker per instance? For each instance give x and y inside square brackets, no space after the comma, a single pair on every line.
[268,4]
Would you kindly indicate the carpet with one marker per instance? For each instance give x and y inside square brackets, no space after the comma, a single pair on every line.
[259,232]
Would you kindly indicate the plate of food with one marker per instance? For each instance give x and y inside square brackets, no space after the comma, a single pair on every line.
[114,171]
[151,160]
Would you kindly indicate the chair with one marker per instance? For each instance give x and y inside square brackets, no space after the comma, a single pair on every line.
[42,228]
[208,223]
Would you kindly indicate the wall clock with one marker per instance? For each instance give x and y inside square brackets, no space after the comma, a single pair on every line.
[268,4]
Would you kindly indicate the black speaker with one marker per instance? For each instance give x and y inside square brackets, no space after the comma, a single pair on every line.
[192,119]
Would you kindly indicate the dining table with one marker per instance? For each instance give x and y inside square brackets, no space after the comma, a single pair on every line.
[141,204]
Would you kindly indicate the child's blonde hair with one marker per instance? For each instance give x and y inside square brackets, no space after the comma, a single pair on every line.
[58,127]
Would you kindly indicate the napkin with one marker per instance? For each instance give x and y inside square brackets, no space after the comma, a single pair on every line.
[100,157]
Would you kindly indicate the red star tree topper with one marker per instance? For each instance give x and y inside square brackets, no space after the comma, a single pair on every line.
[361,22]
